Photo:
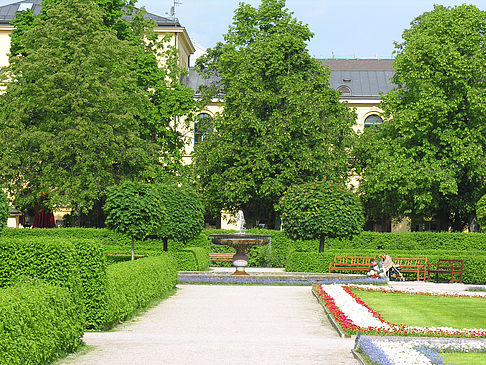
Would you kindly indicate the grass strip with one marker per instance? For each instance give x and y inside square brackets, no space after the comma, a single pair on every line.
[427,311]
[461,358]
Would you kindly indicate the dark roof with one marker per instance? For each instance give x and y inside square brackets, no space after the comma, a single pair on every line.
[364,79]
[8,12]
[360,78]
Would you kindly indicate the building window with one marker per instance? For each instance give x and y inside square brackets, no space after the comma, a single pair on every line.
[372,120]
[203,126]
[345,90]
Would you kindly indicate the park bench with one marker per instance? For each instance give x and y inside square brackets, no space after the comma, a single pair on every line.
[362,263]
[221,256]
[447,266]
[350,263]
[411,265]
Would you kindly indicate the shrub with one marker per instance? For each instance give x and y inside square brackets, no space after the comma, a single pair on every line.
[54,261]
[79,265]
[103,235]
[320,209]
[39,323]
[134,285]
[192,259]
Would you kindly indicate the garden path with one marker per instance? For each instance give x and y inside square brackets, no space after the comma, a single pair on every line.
[223,324]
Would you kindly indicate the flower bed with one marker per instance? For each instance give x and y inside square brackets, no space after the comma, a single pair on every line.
[417,351]
[266,280]
[353,315]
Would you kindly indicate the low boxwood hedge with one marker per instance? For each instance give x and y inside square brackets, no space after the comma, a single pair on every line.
[78,264]
[192,259]
[39,322]
[105,236]
[133,285]
[52,260]
[474,271]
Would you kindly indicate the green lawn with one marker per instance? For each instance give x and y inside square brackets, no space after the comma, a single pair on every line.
[458,358]
[427,311]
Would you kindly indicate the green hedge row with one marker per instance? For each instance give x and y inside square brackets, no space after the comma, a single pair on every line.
[105,236]
[79,265]
[474,271]
[192,259]
[39,322]
[134,285]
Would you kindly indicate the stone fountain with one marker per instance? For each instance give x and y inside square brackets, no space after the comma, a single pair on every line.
[241,242]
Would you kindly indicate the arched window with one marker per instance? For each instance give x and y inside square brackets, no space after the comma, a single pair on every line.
[203,125]
[345,90]
[372,120]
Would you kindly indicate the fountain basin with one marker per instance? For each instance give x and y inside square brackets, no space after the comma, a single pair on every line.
[241,242]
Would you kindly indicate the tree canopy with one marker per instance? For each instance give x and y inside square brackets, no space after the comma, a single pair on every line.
[427,160]
[86,105]
[133,209]
[185,214]
[320,209]
[281,124]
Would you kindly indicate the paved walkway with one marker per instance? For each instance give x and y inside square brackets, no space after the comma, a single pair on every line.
[225,325]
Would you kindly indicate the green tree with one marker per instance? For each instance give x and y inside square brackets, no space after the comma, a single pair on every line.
[70,114]
[281,124]
[320,209]
[165,100]
[132,208]
[481,212]
[4,209]
[185,218]
[427,160]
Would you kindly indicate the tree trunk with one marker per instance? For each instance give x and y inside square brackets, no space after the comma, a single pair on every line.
[322,239]
[165,244]
[133,248]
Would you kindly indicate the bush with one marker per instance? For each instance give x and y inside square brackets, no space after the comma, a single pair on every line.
[79,265]
[104,236]
[133,285]
[54,261]
[192,259]
[474,271]
[39,323]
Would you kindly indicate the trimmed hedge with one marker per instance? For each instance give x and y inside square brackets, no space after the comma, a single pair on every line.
[79,265]
[105,236]
[134,285]
[54,261]
[192,259]
[474,271]
[39,322]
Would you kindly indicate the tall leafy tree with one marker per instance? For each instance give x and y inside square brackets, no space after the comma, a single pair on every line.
[282,123]
[320,209]
[427,160]
[70,114]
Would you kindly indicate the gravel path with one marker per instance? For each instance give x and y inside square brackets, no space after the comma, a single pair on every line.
[224,325]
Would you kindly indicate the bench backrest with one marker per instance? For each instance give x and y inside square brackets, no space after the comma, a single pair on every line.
[410,261]
[452,264]
[353,260]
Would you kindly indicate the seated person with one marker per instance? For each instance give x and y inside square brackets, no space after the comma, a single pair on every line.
[376,269]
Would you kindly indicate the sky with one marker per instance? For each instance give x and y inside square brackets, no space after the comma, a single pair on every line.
[342,28]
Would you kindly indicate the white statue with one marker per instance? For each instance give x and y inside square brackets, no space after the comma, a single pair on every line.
[241,220]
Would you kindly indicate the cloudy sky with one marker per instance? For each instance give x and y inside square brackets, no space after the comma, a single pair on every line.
[342,28]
